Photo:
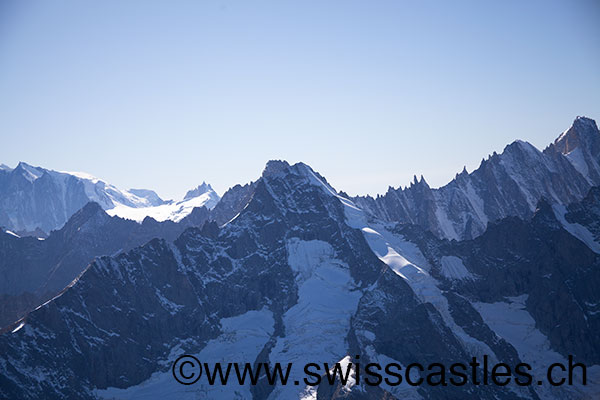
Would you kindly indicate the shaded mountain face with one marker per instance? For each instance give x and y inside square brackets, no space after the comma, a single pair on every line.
[583,219]
[35,201]
[31,198]
[301,274]
[507,184]
[33,271]
[191,286]
[538,265]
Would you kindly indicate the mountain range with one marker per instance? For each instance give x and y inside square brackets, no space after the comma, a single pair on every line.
[503,262]
[35,201]
[506,184]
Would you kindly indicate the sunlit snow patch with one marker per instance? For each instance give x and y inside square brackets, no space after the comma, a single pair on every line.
[242,338]
[21,325]
[174,211]
[316,327]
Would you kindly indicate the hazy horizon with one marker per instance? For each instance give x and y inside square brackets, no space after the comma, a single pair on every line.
[220,193]
[368,94]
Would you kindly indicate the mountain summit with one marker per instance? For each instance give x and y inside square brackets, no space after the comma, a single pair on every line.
[582,134]
[198,191]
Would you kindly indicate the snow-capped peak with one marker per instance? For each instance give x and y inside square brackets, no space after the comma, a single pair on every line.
[582,131]
[30,172]
[201,196]
[198,191]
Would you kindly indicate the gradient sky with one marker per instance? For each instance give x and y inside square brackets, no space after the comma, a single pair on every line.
[164,95]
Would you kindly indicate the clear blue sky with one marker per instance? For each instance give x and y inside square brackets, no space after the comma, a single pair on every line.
[164,95]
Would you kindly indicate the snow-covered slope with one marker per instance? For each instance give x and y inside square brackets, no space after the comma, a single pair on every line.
[105,194]
[202,196]
[34,198]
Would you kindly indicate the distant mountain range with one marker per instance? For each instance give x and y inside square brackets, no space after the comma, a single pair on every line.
[503,262]
[506,184]
[35,201]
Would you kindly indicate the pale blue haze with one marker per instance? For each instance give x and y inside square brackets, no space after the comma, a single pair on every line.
[164,95]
